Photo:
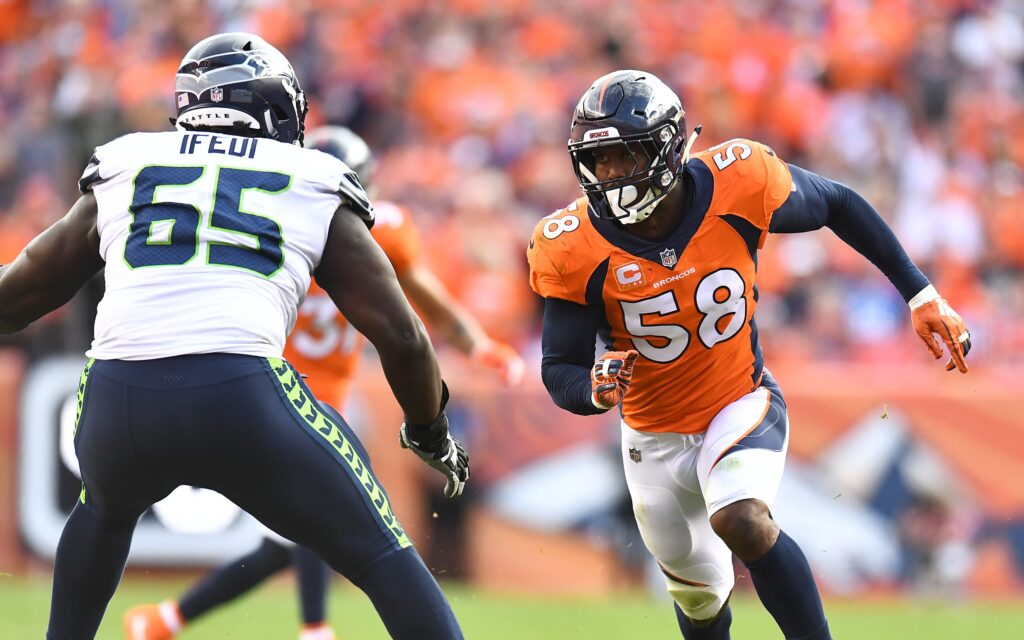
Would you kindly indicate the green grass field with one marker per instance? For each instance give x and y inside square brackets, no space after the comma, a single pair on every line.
[271,612]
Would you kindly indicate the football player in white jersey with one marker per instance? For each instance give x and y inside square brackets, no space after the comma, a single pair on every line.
[209,236]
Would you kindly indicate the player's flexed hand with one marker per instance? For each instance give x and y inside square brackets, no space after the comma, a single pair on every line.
[610,378]
[436,446]
[931,314]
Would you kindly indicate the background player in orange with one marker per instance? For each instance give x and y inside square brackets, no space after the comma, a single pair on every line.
[326,349]
[659,260]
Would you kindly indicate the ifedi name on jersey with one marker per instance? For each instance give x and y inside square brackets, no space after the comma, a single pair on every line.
[213,144]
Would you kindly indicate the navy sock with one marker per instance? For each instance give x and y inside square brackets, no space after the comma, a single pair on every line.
[717,631]
[231,580]
[313,576]
[785,584]
[90,559]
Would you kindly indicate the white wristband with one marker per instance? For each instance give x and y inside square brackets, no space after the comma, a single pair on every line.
[923,297]
[598,405]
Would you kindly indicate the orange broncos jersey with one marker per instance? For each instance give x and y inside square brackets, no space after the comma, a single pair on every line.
[685,303]
[323,345]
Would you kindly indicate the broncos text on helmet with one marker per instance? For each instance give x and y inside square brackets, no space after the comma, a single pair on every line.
[239,81]
[637,112]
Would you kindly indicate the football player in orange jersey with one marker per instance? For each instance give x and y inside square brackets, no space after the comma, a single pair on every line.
[659,259]
[326,349]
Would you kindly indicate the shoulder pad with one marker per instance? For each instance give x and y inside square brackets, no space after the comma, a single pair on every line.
[750,179]
[105,162]
[563,253]
[341,180]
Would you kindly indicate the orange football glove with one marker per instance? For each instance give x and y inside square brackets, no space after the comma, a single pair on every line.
[503,359]
[610,378]
[934,315]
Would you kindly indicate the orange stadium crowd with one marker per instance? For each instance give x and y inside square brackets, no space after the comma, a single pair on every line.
[917,104]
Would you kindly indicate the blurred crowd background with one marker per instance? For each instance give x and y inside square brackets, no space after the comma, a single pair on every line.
[916,104]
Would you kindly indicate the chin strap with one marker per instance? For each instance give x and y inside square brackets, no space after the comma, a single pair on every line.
[689,143]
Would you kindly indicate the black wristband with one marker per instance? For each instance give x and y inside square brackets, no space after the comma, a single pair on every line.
[433,432]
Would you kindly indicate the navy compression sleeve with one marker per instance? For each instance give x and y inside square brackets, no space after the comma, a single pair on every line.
[819,202]
[568,342]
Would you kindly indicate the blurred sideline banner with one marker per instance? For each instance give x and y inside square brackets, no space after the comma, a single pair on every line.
[895,472]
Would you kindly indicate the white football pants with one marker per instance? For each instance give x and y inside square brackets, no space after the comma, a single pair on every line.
[677,481]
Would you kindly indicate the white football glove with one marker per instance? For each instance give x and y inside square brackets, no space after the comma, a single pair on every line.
[435,445]
[446,455]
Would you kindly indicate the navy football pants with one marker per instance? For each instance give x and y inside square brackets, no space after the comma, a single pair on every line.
[249,429]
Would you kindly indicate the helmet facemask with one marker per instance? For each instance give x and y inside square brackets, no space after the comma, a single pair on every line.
[656,168]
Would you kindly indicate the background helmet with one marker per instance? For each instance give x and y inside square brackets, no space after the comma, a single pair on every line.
[238,80]
[345,145]
[620,108]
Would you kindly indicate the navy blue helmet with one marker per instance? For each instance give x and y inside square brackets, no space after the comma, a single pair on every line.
[638,112]
[237,80]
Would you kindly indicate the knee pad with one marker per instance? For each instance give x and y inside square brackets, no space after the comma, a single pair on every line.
[699,601]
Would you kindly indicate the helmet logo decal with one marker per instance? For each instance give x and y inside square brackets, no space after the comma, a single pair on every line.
[668,257]
[597,134]
[258,62]
[217,94]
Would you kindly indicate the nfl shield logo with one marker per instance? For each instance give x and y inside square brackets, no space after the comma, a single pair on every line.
[668,257]
[217,94]
[634,454]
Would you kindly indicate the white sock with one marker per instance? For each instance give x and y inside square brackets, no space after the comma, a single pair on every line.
[171,617]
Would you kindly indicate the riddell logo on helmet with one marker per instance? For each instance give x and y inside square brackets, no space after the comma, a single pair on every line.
[597,134]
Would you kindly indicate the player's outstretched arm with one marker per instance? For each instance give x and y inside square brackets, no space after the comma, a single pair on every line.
[454,324]
[55,265]
[819,202]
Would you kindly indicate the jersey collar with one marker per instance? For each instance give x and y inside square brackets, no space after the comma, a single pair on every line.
[700,187]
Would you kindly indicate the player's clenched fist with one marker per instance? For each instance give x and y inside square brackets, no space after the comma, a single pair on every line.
[610,378]
[932,314]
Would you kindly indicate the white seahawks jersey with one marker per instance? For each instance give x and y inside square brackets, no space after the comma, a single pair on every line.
[209,240]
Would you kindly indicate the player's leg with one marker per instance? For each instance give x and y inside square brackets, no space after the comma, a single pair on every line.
[222,585]
[302,472]
[117,488]
[234,579]
[313,577]
[672,518]
[90,559]
[740,468]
